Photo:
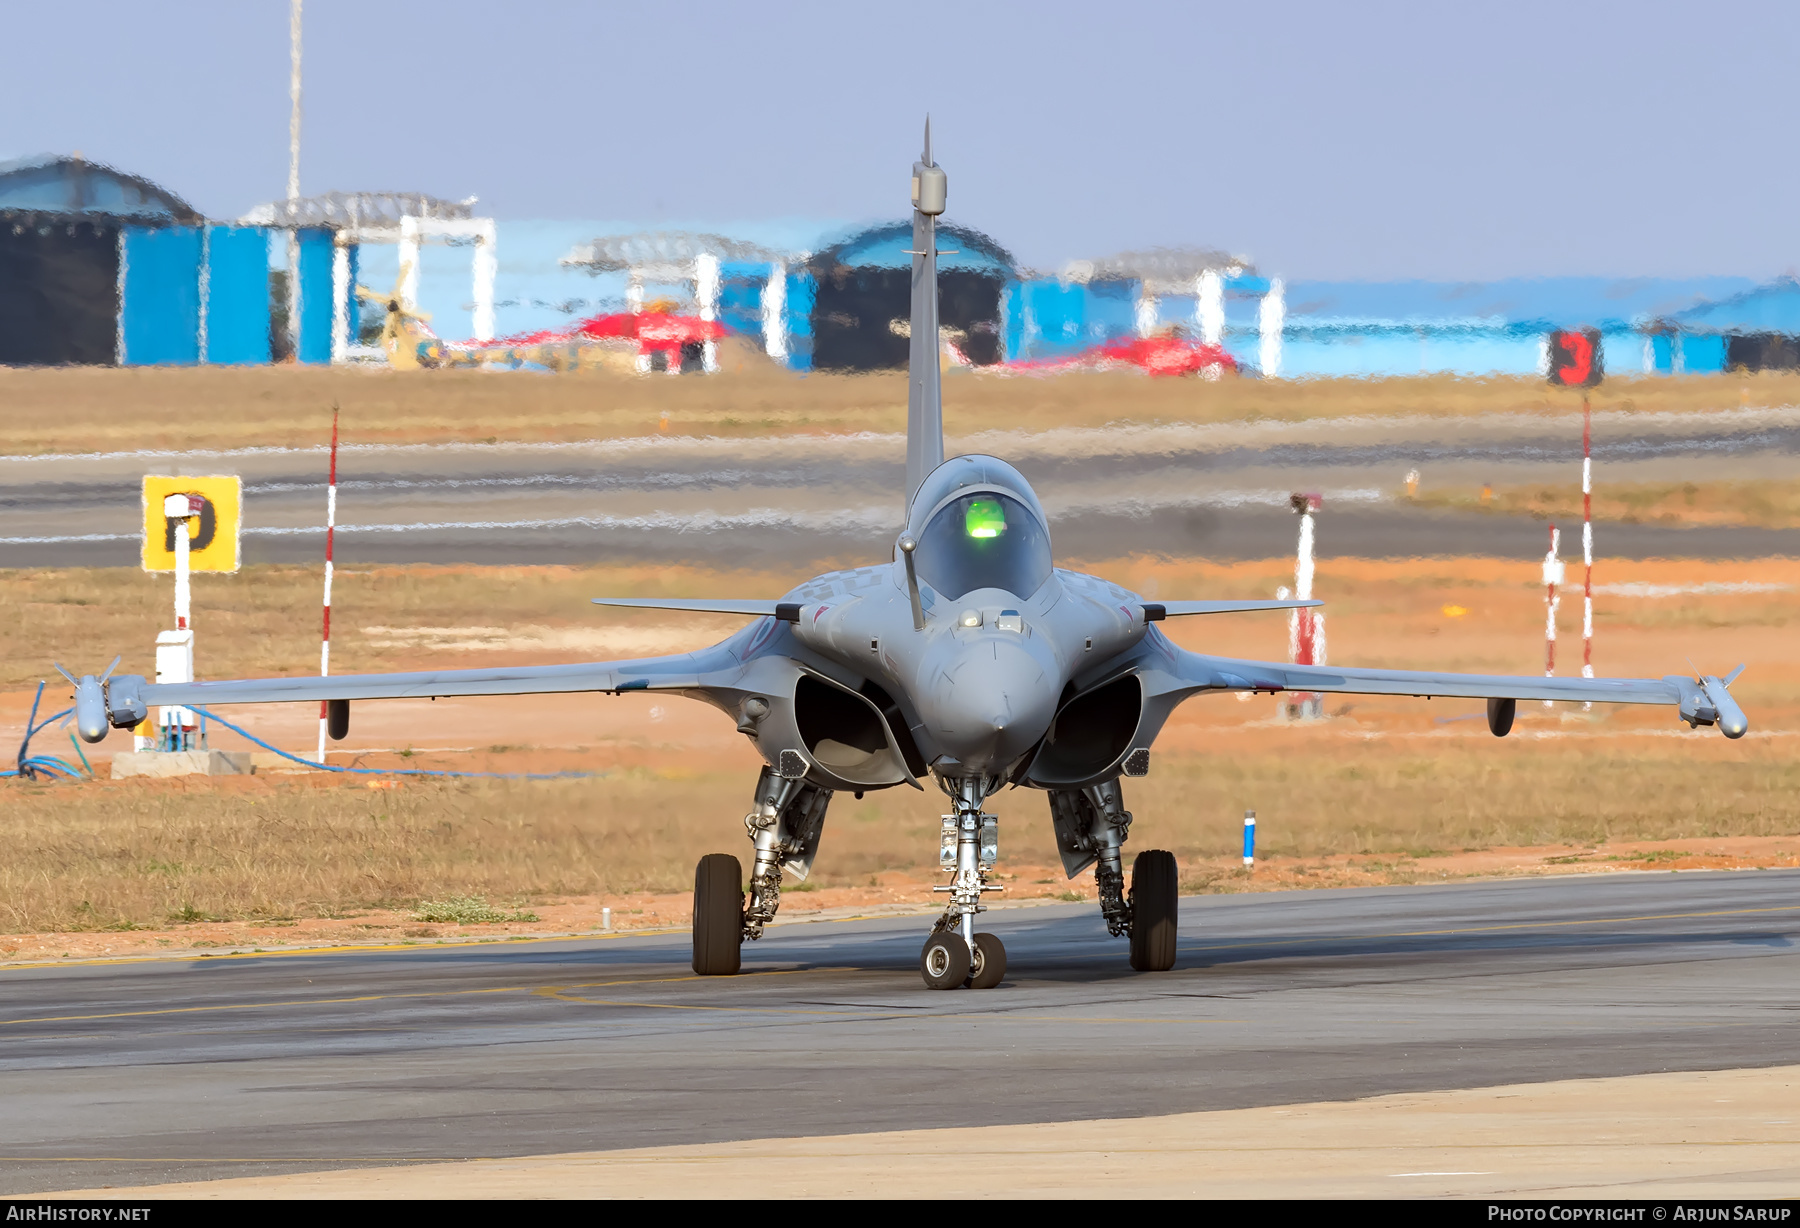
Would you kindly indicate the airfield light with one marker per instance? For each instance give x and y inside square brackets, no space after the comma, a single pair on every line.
[985,518]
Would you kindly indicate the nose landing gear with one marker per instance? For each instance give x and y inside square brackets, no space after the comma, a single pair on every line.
[955,955]
[947,962]
[990,962]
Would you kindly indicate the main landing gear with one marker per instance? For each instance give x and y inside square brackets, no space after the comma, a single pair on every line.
[784,824]
[1154,901]
[1091,827]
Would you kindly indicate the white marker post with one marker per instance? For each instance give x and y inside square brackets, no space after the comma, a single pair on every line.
[1271,321]
[1553,576]
[1209,314]
[175,649]
[1147,312]
[330,534]
[1587,543]
[706,293]
[774,313]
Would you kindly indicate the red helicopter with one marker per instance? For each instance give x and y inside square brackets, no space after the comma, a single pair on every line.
[656,338]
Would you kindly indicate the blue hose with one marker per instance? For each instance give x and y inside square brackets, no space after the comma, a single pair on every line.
[48,764]
[30,765]
[326,767]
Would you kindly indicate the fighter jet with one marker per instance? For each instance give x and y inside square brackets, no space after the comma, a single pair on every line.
[968,660]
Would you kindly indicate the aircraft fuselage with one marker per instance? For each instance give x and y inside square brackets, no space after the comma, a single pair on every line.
[973,712]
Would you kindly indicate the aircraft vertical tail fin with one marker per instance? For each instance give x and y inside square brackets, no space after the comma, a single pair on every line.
[924,395]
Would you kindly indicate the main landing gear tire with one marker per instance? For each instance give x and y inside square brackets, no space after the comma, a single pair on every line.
[1155,902]
[989,967]
[945,962]
[718,915]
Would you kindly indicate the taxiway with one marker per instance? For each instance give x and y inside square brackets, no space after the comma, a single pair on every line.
[163,1070]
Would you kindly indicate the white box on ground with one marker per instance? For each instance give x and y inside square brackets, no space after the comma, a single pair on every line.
[175,663]
[181,763]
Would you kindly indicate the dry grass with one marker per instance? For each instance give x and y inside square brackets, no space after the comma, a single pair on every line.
[1768,505]
[133,855]
[1386,613]
[265,620]
[90,409]
[1389,778]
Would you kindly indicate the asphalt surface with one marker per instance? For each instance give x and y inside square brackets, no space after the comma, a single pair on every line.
[1218,492]
[148,1071]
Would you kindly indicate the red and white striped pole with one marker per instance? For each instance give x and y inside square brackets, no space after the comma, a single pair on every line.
[1306,628]
[330,534]
[1553,576]
[1587,541]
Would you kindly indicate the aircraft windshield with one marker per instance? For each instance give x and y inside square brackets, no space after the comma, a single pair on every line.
[984,540]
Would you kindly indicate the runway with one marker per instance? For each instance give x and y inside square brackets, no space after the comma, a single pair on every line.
[1218,492]
[152,1071]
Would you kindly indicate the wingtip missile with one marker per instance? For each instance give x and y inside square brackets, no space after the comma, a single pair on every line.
[1730,718]
[91,720]
[1706,700]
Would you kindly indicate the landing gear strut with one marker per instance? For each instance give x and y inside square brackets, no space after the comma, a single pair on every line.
[784,824]
[1091,827]
[955,955]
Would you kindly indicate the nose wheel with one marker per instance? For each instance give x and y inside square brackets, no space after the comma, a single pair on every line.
[989,964]
[947,962]
[954,954]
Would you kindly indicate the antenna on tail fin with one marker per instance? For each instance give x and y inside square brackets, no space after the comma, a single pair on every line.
[924,394]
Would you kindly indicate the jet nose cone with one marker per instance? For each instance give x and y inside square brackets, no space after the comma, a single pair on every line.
[991,704]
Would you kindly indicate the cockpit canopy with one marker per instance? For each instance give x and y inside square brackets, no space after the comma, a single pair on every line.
[979,525]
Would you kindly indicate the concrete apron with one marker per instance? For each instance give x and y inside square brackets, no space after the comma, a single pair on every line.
[1714,1134]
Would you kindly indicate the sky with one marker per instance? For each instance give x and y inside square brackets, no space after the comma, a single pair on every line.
[1376,141]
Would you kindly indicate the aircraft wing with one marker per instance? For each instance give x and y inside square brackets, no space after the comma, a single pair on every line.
[698,605]
[125,700]
[1699,701]
[1157,610]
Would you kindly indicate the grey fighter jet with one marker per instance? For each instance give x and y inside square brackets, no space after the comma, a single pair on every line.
[969,659]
